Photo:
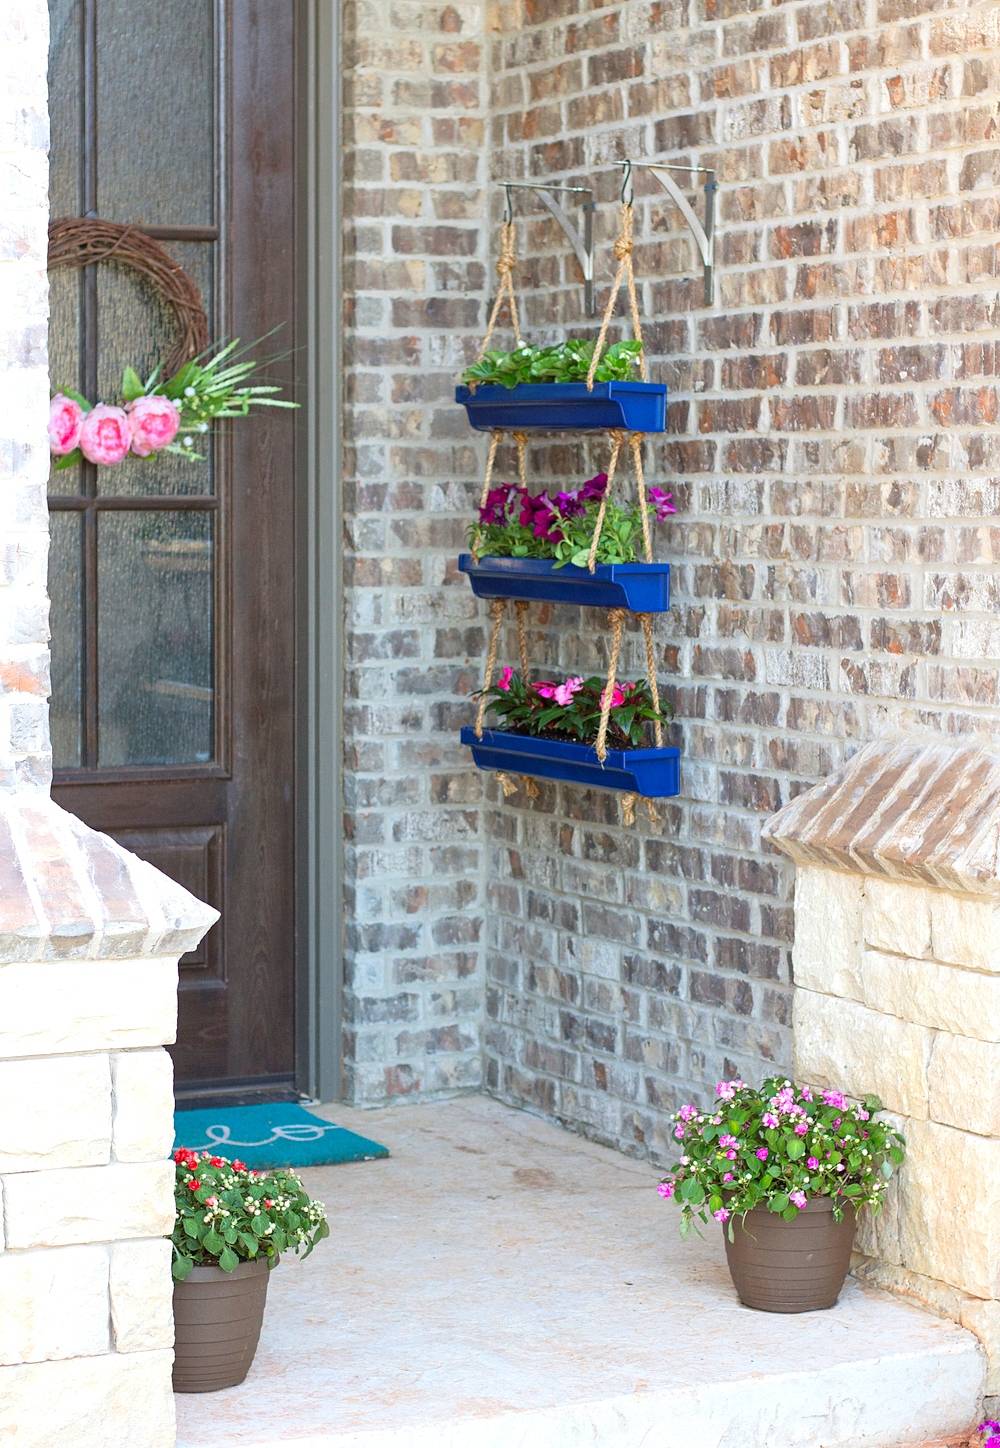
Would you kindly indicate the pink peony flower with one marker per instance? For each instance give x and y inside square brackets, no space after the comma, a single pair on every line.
[665,1190]
[564,693]
[797,1199]
[106,435]
[65,422]
[503,683]
[155,421]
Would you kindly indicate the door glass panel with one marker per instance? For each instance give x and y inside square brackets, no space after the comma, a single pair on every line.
[135,330]
[65,368]
[65,105]
[154,652]
[66,595]
[156,123]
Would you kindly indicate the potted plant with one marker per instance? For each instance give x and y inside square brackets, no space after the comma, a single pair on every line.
[549,728]
[231,1225]
[537,546]
[550,388]
[784,1170]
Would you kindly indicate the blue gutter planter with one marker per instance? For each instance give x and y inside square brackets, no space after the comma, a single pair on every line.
[654,773]
[639,587]
[557,406]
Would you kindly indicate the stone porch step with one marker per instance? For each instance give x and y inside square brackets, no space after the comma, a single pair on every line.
[499,1283]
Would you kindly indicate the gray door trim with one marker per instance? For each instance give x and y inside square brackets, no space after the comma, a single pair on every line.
[320,655]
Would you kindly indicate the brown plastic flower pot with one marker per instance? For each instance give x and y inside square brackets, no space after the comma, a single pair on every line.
[798,1266]
[217,1318]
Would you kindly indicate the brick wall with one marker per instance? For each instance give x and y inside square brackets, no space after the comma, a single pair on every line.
[833,449]
[415,273]
[24,385]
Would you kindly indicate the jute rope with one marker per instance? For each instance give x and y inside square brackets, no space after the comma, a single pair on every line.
[623,253]
[521,609]
[617,439]
[616,618]
[521,442]
[506,262]
[635,447]
[654,688]
[491,458]
[498,607]
[79,241]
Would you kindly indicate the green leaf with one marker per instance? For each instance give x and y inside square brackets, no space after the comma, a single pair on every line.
[69,461]
[228,1260]
[190,1227]
[78,397]
[212,1242]
[795,1148]
[259,1226]
[790,1213]
[778,1202]
[181,1267]
[131,385]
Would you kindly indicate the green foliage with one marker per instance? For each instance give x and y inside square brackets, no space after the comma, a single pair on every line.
[567,362]
[226,1214]
[777,1147]
[572,709]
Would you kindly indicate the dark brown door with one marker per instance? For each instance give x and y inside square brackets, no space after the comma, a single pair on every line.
[172,583]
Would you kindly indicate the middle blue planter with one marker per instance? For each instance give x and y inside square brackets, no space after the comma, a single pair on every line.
[654,773]
[558,406]
[639,587]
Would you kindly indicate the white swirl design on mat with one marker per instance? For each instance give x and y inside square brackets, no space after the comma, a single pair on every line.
[300,1131]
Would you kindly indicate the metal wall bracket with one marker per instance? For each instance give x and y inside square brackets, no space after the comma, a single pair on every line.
[581,242]
[704,235]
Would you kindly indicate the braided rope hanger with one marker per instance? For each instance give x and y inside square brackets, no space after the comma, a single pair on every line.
[506,262]
[622,250]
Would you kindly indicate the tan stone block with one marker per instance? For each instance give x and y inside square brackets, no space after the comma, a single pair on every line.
[949,1207]
[828,911]
[983,1318]
[142,1295]
[942,997]
[60,1007]
[55,1113]
[965,931]
[143,1105]
[55,1304]
[120,1400]
[843,1045]
[89,1204]
[963,1083]
[897,917]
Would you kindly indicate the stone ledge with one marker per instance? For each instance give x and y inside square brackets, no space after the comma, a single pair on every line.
[918,811]
[68,892]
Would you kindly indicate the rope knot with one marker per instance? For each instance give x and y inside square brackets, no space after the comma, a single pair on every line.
[622,247]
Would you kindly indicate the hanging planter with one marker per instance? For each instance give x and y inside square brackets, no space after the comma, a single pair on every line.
[638,587]
[558,406]
[651,773]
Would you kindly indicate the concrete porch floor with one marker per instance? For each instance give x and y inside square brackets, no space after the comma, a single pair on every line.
[499,1283]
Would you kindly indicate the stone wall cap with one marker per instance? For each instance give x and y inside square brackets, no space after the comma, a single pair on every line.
[67,891]
[922,811]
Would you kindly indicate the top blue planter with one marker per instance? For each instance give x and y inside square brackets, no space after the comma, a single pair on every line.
[560,406]
[639,587]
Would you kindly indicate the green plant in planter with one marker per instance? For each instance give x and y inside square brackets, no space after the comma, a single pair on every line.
[227,1214]
[566,362]
[571,709]
[779,1148]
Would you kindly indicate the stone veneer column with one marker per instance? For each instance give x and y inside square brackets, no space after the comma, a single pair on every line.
[897,991]
[89,942]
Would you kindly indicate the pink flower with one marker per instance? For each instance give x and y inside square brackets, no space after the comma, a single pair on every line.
[106,435]
[65,421]
[731,1154]
[687,1113]
[503,683]
[726,1090]
[211,1201]
[801,1128]
[679,1132]
[797,1199]
[545,689]
[155,421]
[835,1098]
[665,1190]
[769,1119]
[564,693]
[721,1215]
[761,1153]
[813,1163]
[727,1140]
[806,1094]
[727,1176]
[617,696]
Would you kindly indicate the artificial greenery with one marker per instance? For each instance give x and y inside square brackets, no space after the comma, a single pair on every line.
[567,362]
[572,709]
[778,1147]
[227,1214]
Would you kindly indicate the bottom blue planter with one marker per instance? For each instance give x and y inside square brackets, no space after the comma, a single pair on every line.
[654,773]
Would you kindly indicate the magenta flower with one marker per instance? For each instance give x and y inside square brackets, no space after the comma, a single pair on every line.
[662,502]
[762,1153]
[564,693]
[726,1090]
[617,696]
[665,1190]
[725,1141]
[835,1098]
[545,689]
[813,1163]
[503,683]
[769,1119]
[727,1176]
[731,1154]
[687,1113]
[722,1215]
[797,1199]
[801,1128]
[679,1132]
[806,1094]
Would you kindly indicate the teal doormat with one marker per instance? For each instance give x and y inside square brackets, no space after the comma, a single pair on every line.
[280,1134]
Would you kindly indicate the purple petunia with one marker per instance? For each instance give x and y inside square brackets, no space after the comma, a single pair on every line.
[663,502]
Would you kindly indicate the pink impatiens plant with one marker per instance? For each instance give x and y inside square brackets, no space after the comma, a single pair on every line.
[571,708]
[779,1147]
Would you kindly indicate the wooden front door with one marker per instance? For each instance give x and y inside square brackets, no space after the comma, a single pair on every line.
[172,582]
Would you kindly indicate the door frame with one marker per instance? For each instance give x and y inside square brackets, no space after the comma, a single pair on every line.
[319,635]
